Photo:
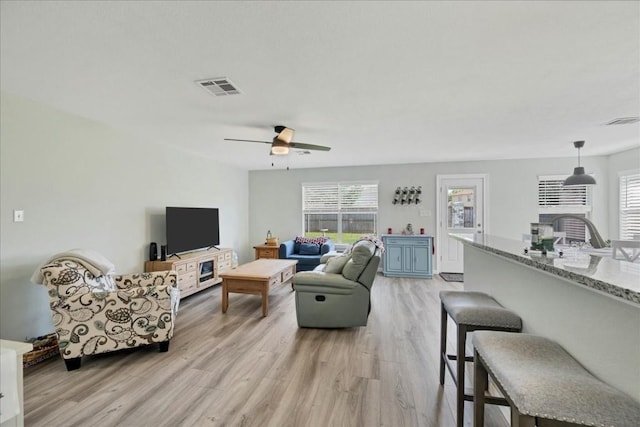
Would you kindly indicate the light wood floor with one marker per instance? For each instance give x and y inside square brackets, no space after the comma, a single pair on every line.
[240,369]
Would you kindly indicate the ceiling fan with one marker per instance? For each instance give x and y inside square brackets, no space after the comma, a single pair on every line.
[282,142]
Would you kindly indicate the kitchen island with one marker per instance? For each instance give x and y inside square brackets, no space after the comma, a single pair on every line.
[588,303]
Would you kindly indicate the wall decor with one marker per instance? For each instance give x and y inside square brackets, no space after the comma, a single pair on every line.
[407,195]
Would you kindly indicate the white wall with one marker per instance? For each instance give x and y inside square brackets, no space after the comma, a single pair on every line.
[276,200]
[82,184]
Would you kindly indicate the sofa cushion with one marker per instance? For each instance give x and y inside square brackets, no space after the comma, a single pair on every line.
[327,256]
[336,264]
[309,249]
[361,253]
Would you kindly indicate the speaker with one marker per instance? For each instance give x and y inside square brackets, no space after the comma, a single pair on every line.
[163,253]
[153,251]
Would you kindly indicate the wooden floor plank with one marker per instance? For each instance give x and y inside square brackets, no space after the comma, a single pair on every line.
[242,369]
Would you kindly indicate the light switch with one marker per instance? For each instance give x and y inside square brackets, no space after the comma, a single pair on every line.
[18,216]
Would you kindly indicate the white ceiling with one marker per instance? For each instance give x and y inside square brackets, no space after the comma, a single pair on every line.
[379,82]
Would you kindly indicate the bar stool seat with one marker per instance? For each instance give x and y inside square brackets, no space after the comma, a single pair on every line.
[542,381]
[471,311]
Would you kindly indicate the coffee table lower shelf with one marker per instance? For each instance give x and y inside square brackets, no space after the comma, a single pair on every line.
[256,278]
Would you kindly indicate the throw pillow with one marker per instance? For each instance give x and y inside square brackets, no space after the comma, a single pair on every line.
[336,264]
[318,240]
[309,249]
[360,256]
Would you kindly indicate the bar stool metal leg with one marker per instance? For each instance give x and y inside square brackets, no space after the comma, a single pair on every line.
[461,358]
[480,382]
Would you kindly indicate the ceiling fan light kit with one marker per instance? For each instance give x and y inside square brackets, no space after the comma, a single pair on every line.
[279,148]
[579,177]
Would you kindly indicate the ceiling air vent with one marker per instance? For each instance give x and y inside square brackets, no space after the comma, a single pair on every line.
[624,121]
[218,86]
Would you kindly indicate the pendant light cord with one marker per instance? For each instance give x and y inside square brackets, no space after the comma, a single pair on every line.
[578,145]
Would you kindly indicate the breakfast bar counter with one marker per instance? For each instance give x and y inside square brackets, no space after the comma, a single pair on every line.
[595,269]
[585,300]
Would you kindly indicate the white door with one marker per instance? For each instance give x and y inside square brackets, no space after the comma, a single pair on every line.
[461,210]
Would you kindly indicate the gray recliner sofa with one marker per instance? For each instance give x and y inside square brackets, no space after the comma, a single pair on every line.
[337,293]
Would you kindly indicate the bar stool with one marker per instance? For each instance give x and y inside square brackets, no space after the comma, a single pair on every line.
[544,384]
[471,311]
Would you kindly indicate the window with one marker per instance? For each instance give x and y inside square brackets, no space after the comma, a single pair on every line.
[342,211]
[554,199]
[629,205]
[461,202]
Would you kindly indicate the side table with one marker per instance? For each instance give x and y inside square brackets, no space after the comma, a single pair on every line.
[266,251]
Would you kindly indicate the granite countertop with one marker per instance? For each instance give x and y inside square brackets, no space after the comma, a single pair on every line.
[596,269]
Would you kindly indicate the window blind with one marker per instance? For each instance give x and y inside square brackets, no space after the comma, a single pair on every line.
[555,198]
[339,197]
[629,205]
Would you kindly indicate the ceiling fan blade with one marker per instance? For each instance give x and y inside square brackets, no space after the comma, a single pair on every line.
[247,140]
[303,146]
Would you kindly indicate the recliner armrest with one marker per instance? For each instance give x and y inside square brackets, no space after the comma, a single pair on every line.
[319,281]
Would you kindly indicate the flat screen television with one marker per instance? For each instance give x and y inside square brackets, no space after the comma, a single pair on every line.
[190,229]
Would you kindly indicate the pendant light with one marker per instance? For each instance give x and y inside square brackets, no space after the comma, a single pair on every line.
[579,177]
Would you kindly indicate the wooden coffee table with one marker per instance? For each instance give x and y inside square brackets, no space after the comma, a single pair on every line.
[256,278]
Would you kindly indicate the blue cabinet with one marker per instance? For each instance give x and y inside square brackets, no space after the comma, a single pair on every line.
[407,256]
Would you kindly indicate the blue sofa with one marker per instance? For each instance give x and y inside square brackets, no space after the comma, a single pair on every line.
[305,251]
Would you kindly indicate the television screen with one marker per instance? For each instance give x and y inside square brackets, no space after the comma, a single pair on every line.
[189,229]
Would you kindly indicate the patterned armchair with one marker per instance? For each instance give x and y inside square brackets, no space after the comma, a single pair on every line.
[110,312]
